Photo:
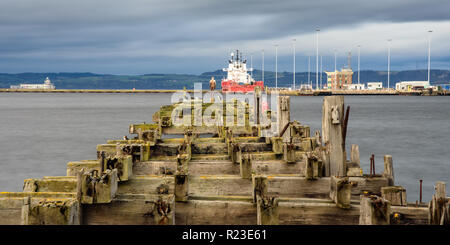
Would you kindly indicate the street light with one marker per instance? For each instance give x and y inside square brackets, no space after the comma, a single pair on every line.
[262,65]
[335,68]
[276,66]
[317,58]
[251,63]
[359,57]
[309,68]
[293,44]
[389,61]
[429,54]
[321,73]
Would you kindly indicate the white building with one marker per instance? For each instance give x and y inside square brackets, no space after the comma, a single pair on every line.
[375,86]
[356,86]
[412,85]
[46,85]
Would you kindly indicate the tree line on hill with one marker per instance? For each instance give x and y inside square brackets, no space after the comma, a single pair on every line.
[179,81]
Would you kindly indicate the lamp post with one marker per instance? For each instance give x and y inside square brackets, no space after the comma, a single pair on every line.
[293,78]
[359,63]
[276,66]
[321,72]
[309,68]
[251,64]
[262,65]
[389,62]
[429,54]
[317,58]
[335,69]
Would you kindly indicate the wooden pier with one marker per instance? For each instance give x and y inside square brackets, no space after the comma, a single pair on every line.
[224,175]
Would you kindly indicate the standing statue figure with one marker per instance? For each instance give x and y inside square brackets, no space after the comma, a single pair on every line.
[212,84]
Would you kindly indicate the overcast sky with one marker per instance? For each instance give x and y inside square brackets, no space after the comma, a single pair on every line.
[194,36]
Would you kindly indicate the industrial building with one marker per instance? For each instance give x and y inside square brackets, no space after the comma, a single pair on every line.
[356,86]
[374,85]
[412,85]
[340,79]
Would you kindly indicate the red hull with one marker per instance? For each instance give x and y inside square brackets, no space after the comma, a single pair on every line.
[231,86]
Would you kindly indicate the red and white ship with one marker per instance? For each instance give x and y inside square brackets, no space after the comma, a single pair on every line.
[238,79]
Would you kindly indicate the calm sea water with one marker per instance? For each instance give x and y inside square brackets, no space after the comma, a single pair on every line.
[40,133]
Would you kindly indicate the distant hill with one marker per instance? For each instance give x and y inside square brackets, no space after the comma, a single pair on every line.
[178,81]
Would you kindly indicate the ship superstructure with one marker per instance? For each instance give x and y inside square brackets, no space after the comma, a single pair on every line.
[238,79]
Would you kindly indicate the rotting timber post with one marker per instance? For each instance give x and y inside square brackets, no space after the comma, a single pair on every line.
[332,133]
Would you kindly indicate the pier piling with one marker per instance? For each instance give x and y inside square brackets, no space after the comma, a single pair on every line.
[374,210]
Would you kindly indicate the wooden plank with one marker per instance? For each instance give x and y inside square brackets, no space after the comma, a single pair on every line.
[218,167]
[146,184]
[320,213]
[129,210]
[224,212]
[394,194]
[409,215]
[11,210]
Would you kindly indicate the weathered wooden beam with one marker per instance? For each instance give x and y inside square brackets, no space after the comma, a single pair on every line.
[98,187]
[259,186]
[267,210]
[299,132]
[218,167]
[368,184]
[289,153]
[74,167]
[353,167]
[215,211]
[132,209]
[148,184]
[283,116]
[388,169]
[277,145]
[396,195]
[123,164]
[56,184]
[246,166]
[181,187]
[313,167]
[340,191]
[25,211]
[354,154]
[308,144]
[374,211]
[438,212]
[182,179]
[407,215]
[236,153]
[308,211]
[332,120]
[38,211]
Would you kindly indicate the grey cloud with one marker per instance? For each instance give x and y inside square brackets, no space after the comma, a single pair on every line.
[71,34]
